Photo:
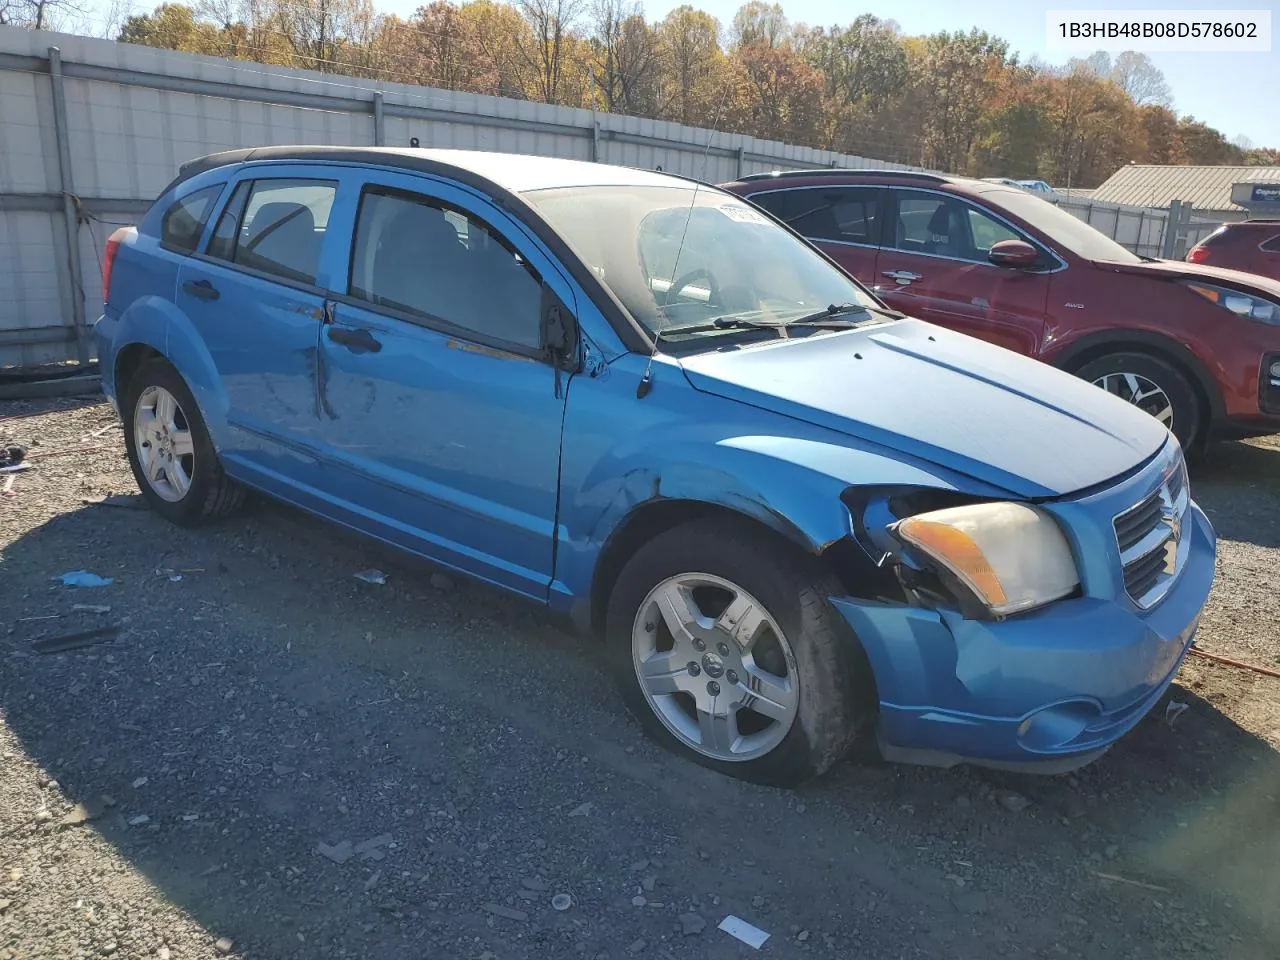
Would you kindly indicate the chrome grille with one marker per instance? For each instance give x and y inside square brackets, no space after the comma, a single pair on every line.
[1149,535]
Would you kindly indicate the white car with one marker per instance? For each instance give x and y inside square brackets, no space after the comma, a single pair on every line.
[1040,188]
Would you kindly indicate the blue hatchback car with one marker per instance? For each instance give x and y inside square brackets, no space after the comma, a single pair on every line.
[794,516]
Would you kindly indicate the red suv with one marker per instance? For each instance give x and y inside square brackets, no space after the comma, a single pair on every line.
[1250,245]
[1196,346]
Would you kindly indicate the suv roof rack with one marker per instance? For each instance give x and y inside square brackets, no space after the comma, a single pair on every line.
[844,172]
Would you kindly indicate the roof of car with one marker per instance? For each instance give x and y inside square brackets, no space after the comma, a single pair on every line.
[517,173]
[758,182]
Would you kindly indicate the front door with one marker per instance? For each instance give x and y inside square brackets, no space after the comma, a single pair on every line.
[933,265]
[440,419]
[254,297]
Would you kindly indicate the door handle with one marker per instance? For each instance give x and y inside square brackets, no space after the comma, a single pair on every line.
[201,289]
[902,276]
[357,341]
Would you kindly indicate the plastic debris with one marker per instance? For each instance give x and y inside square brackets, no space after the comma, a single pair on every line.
[498,910]
[91,607]
[83,578]
[12,455]
[338,853]
[83,812]
[739,929]
[74,641]
[582,809]
[561,902]
[1174,710]
[372,576]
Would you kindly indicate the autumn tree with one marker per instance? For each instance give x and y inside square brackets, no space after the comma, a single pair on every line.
[951,101]
[956,82]
[172,26]
[689,49]
[863,68]
[545,47]
[625,60]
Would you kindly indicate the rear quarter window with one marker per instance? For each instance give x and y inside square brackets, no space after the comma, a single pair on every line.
[1271,244]
[184,221]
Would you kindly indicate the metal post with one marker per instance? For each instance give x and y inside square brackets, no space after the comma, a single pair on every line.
[1138,244]
[1184,230]
[70,218]
[742,161]
[595,140]
[1115,229]
[1168,241]
[379,121]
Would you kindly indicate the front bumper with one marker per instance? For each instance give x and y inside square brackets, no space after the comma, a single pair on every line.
[1045,692]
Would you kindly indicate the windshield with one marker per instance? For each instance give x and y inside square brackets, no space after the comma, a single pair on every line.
[673,266]
[1060,226]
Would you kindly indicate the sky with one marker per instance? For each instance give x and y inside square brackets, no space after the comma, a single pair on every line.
[1229,91]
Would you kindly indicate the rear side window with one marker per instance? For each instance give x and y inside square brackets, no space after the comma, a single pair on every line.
[840,214]
[184,221]
[1271,245]
[276,227]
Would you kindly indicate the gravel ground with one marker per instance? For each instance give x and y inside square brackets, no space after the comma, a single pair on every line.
[272,759]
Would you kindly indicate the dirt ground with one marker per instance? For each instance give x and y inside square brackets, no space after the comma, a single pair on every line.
[277,760]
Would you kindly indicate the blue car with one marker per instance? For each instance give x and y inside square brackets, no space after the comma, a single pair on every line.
[795,517]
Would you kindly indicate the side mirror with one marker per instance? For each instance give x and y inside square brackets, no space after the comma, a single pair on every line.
[1016,254]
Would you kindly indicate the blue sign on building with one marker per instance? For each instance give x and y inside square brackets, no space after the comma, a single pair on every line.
[1265,193]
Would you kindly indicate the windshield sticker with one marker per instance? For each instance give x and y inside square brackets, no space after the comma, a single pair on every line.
[741,214]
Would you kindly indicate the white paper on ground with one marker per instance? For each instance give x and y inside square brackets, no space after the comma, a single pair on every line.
[739,928]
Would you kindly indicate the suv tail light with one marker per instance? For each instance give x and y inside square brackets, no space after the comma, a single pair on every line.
[109,257]
[1197,254]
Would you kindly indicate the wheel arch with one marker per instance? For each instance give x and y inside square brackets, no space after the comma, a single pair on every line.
[129,359]
[840,558]
[1074,356]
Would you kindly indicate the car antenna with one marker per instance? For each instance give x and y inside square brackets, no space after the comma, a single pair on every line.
[646,381]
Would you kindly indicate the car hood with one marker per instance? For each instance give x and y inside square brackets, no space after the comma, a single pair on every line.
[1179,270]
[952,400]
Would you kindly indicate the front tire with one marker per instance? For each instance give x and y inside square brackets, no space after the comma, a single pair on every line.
[1151,384]
[170,452]
[727,651]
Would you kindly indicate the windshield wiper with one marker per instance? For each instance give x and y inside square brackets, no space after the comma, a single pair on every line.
[830,318]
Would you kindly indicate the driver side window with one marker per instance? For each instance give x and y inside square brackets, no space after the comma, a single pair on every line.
[424,259]
[945,226]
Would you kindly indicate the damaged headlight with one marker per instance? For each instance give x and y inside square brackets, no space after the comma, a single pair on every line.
[1013,557]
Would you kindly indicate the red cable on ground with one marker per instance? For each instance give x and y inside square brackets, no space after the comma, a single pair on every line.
[1265,671]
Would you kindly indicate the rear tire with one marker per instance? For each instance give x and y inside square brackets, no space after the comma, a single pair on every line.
[792,687]
[170,452]
[1152,384]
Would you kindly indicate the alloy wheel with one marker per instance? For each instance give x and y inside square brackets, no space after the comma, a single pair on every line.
[715,667]
[165,449]
[1141,392]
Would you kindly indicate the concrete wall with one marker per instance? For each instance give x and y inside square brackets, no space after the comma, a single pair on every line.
[134,114]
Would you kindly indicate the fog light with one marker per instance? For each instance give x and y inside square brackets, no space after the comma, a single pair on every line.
[1056,726]
[1275,368]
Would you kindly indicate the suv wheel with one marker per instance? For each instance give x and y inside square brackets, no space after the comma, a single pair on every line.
[728,652]
[1152,384]
[169,449]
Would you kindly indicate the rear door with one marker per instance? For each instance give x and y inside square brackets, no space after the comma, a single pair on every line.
[255,295]
[844,222]
[933,265]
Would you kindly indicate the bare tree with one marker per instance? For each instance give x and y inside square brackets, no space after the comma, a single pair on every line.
[41,14]
[551,24]
[1136,75]
[626,63]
